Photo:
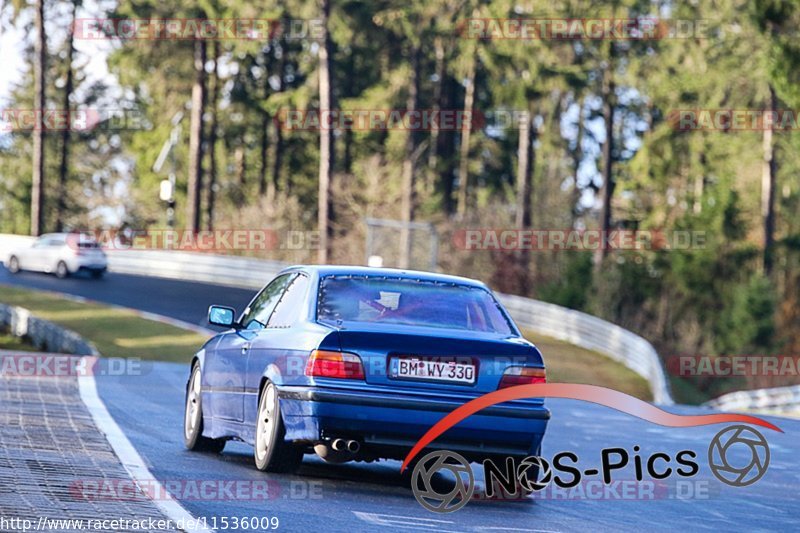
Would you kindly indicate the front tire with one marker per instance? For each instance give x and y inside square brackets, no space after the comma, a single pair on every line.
[13,264]
[193,437]
[272,453]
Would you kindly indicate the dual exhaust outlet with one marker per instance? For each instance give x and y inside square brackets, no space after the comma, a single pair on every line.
[337,450]
[342,445]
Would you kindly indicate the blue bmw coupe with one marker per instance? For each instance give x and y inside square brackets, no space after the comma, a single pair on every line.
[357,363]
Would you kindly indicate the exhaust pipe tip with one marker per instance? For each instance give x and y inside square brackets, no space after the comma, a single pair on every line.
[339,445]
[353,446]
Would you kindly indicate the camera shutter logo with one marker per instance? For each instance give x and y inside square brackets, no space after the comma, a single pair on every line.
[450,497]
[540,466]
[728,456]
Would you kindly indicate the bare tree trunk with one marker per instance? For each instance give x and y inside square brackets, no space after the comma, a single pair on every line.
[446,152]
[241,163]
[523,214]
[699,185]
[37,178]
[265,186]
[277,158]
[407,200]
[212,139]
[433,151]
[277,154]
[324,210]
[577,158]
[768,171]
[195,185]
[63,165]
[524,171]
[346,166]
[463,163]
[696,168]
[607,191]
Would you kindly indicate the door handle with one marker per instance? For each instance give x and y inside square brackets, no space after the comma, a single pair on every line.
[245,348]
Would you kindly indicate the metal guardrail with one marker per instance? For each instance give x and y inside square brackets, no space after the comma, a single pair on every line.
[779,399]
[552,320]
[44,335]
[10,242]
[592,333]
[194,266]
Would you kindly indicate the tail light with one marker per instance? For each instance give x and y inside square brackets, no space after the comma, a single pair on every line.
[522,375]
[341,365]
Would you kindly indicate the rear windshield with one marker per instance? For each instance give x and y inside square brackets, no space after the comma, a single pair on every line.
[82,241]
[410,302]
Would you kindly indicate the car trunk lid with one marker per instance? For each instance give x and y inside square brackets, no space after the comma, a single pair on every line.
[428,358]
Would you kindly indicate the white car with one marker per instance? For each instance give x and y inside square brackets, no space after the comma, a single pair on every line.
[62,254]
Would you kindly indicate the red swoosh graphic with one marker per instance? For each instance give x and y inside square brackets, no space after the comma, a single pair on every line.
[589,393]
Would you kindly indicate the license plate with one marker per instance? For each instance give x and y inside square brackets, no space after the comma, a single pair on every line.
[427,370]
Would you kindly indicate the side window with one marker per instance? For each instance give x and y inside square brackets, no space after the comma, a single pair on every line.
[290,306]
[259,310]
[42,242]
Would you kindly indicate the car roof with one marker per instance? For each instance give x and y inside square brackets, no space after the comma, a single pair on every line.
[64,234]
[348,270]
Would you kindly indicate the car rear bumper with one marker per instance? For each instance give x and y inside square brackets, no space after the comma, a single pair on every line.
[386,419]
[76,264]
[93,268]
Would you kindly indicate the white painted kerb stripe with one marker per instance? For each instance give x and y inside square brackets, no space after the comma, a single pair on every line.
[130,458]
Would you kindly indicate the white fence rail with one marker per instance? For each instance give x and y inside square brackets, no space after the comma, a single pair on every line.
[554,321]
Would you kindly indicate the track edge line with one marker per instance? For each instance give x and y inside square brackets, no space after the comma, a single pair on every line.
[130,458]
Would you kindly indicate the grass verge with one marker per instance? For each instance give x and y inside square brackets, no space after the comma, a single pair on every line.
[115,332]
[10,342]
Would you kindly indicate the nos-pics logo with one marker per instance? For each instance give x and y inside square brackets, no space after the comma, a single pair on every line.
[443,481]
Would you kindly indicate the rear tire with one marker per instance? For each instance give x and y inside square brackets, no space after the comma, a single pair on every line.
[193,437]
[13,264]
[61,270]
[271,452]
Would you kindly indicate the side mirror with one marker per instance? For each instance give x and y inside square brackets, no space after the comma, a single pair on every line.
[219,315]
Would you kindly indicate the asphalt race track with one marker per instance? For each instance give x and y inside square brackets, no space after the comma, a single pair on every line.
[375,497]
